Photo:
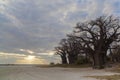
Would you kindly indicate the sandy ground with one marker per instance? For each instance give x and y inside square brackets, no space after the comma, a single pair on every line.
[37,73]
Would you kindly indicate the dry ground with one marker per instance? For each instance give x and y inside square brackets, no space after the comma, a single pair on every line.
[37,73]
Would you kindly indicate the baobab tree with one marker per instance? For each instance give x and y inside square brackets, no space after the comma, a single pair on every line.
[96,36]
[73,49]
[68,49]
[62,51]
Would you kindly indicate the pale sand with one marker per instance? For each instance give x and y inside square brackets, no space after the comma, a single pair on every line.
[37,73]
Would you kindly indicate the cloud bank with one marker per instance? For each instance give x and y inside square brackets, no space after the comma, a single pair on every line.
[36,26]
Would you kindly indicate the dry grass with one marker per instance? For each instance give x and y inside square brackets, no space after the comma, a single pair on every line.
[111,77]
[116,68]
[66,66]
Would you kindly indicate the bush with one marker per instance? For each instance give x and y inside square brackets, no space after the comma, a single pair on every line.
[52,63]
[82,60]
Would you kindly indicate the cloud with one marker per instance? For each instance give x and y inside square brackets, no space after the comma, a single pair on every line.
[11,54]
[28,51]
[36,26]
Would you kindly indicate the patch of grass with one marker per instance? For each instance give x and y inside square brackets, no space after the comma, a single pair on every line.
[111,77]
[66,66]
[116,69]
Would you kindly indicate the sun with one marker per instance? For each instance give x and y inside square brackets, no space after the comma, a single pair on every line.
[30,57]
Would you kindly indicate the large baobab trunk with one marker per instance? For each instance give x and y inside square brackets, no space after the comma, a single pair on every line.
[99,60]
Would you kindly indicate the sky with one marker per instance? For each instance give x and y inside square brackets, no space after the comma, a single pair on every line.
[30,29]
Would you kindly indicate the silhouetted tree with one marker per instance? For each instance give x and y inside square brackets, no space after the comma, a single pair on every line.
[73,49]
[93,38]
[61,50]
[68,50]
[96,36]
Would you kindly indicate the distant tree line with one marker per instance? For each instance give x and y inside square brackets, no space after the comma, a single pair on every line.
[92,41]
